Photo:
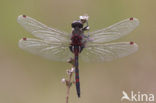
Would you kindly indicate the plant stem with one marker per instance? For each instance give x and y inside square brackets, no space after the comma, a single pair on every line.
[68,87]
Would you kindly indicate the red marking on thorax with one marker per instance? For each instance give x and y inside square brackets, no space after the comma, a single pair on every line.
[24,38]
[76,39]
[131,43]
[130,18]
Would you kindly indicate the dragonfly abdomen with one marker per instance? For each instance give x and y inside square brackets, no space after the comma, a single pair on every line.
[77,76]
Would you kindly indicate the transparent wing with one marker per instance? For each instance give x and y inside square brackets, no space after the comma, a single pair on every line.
[114,32]
[108,51]
[57,51]
[42,31]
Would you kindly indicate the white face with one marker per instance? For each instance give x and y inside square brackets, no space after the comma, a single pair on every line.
[84,18]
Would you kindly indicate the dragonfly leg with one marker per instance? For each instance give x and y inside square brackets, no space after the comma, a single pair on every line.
[71,48]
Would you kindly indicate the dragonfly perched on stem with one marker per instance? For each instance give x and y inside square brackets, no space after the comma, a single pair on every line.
[60,46]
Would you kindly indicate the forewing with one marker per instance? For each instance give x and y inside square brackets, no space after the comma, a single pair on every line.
[42,31]
[108,51]
[114,32]
[57,51]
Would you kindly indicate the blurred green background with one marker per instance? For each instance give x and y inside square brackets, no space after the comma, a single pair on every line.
[27,78]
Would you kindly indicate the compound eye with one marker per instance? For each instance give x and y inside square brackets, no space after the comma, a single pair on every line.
[77,24]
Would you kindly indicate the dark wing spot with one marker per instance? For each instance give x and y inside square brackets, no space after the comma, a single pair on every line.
[24,38]
[130,18]
[24,16]
[131,43]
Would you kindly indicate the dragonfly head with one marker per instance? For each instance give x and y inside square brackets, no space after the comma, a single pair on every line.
[77,24]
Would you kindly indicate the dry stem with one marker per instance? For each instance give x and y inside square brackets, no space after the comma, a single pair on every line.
[68,86]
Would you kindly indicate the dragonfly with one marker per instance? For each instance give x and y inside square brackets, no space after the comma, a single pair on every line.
[91,46]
